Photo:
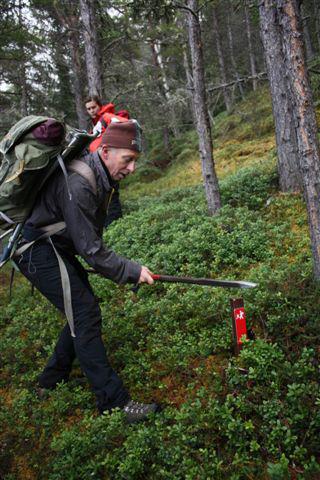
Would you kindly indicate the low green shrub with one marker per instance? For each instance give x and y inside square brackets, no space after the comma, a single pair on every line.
[250,186]
[252,416]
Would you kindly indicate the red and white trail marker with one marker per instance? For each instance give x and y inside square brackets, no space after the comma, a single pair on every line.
[239,325]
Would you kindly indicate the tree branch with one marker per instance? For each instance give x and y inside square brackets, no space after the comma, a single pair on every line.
[113,42]
[10,93]
[259,76]
[136,87]
[183,7]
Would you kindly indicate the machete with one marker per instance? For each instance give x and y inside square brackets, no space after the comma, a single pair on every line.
[205,281]
[196,281]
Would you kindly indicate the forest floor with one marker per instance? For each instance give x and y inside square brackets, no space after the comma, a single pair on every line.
[252,416]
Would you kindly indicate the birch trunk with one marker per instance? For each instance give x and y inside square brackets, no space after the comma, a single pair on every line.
[222,67]
[286,137]
[164,85]
[305,119]
[250,46]
[92,52]
[201,110]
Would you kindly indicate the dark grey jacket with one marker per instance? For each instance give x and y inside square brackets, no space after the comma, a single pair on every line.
[84,216]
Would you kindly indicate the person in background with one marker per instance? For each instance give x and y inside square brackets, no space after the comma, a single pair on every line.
[100,117]
[97,111]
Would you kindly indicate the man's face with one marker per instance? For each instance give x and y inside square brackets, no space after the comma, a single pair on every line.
[92,108]
[119,161]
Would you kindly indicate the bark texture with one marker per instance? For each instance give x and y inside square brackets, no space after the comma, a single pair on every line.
[316,9]
[200,105]
[70,22]
[252,59]
[163,84]
[305,119]
[189,79]
[286,137]
[92,51]
[77,76]
[222,66]
[306,34]
[231,51]
[22,70]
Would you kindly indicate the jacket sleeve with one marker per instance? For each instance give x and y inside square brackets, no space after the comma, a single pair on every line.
[80,213]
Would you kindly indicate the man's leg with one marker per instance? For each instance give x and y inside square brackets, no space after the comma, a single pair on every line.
[39,264]
[59,365]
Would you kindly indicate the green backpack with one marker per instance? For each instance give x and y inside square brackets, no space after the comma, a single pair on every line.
[26,165]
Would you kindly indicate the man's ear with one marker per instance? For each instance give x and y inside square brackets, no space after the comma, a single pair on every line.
[104,150]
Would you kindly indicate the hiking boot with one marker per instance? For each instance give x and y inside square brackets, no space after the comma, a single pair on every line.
[136,412]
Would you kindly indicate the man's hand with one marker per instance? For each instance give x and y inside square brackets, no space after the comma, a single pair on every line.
[145,276]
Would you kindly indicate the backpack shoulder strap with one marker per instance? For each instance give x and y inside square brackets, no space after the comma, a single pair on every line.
[85,171]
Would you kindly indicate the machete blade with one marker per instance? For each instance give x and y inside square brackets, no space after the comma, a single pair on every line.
[205,281]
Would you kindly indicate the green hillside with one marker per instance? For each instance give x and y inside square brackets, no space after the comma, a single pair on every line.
[255,416]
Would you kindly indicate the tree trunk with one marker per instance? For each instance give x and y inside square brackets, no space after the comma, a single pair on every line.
[316,9]
[163,83]
[189,81]
[92,51]
[22,71]
[77,77]
[231,50]
[250,46]
[201,110]
[156,48]
[305,118]
[306,34]
[186,65]
[70,21]
[222,67]
[286,137]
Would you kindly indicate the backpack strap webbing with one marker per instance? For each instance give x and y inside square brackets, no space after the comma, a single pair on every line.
[85,171]
[47,231]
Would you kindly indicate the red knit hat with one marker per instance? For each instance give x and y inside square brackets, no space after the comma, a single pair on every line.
[123,135]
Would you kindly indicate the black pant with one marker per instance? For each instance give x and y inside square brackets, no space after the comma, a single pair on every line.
[39,264]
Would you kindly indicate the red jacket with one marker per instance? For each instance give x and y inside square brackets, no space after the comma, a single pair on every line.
[105,116]
[108,108]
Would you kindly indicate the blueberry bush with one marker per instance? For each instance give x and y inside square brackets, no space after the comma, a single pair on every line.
[252,416]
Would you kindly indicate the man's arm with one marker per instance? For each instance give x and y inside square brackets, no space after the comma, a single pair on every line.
[79,213]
